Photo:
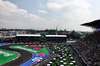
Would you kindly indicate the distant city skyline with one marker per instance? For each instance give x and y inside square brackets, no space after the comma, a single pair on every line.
[47,14]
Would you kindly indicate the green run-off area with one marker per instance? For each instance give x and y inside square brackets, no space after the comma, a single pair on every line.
[43,50]
[7,56]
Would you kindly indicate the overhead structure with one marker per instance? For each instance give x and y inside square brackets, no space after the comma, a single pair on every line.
[95,25]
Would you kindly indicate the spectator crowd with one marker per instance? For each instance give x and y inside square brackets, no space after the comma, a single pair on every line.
[89,48]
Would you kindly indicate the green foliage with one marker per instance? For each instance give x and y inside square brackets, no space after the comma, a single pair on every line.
[75,35]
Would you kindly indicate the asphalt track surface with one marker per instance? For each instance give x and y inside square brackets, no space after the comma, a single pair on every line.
[24,56]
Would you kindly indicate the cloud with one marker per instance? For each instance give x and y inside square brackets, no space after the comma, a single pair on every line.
[42,5]
[66,14]
[97,0]
[13,17]
[72,12]
[70,7]
[54,6]
[42,11]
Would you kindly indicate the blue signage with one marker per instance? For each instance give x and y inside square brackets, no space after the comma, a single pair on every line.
[36,58]
[98,29]
[1,44]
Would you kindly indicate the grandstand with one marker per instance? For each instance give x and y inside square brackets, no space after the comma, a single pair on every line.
[89,47]
[7,39]
[38,38]
[26,38]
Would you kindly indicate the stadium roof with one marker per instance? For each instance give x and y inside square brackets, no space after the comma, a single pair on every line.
[38,35]
[7,36]
[95,24]
[56,36]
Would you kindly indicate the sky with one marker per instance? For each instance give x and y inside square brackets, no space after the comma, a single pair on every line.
[48,14]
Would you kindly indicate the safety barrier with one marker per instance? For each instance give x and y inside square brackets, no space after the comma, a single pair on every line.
[77,56]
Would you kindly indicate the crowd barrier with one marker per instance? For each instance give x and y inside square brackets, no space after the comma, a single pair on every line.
[79,59]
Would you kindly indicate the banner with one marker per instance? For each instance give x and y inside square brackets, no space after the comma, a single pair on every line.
[42,50]
[36,58]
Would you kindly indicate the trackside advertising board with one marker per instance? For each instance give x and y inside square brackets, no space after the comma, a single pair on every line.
[7,56]
[32,50]
[2,44]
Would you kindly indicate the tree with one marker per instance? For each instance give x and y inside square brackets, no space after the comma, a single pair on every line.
[75,35]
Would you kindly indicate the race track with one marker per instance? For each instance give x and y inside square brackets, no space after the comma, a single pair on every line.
[24,56]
